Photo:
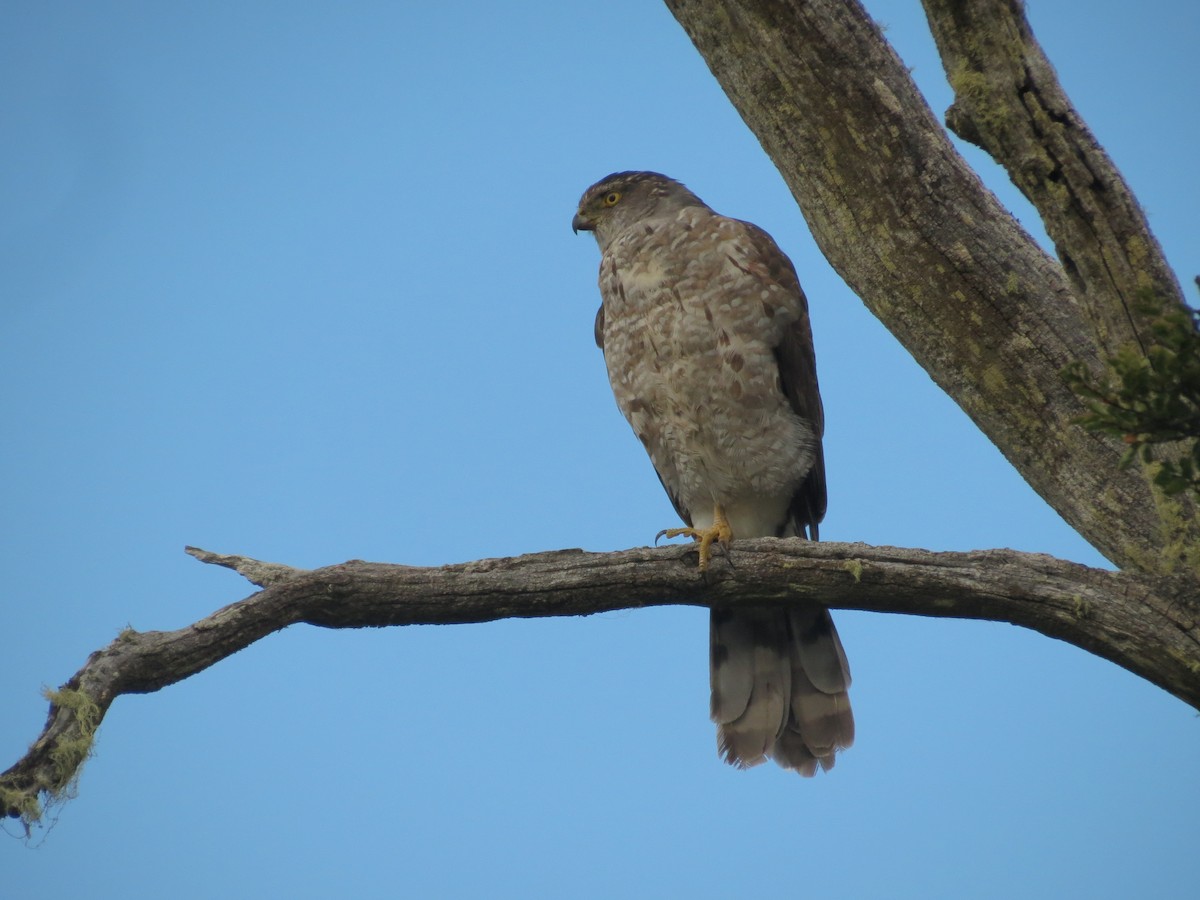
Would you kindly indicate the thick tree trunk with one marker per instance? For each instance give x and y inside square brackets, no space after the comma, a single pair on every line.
[911,229]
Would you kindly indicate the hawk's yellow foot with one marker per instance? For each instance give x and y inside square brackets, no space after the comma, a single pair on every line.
[718,531]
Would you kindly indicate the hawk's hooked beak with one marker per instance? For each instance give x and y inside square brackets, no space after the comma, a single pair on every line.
[581,223]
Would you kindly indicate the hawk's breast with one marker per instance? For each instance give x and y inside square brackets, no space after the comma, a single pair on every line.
[689,340]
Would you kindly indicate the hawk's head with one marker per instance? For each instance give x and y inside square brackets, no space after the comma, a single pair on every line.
[619,200]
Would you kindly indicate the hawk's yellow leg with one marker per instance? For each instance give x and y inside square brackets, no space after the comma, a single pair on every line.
[718,531]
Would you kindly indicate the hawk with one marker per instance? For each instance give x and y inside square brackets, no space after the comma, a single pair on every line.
[705,334]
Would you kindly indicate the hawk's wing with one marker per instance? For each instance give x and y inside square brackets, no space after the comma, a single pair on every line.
[600,327]
[760,257]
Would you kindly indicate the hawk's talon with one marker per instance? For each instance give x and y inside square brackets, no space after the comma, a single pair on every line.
[718,532]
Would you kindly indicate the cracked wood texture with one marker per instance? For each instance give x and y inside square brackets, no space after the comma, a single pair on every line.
[1127,619]
[990,316]
[1008,101]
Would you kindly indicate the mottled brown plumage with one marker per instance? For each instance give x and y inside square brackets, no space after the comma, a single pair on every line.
[705,334]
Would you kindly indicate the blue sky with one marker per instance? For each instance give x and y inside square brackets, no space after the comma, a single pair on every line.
[297,281]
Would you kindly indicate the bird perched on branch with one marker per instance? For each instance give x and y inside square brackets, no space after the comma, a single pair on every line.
[706,338]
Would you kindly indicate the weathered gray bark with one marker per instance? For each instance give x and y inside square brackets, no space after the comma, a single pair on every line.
[1008,101]
[1126,619]
[990,315]
[911,229]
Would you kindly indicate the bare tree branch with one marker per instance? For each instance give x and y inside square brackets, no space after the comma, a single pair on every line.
[932,253]
[1130,620]
[263,574]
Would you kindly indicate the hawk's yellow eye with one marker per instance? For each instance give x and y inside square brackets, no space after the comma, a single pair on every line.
[611,198]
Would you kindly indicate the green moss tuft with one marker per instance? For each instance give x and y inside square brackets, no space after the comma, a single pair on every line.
[26,804]
[70,746]
[75,742]
[971,87]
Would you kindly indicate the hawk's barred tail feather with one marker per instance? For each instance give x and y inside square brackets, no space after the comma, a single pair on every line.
[779,688]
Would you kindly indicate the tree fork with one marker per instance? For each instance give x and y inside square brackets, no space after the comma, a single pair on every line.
[908,225]
[1009,103]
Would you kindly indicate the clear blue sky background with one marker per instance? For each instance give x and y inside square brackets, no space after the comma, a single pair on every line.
[297,281]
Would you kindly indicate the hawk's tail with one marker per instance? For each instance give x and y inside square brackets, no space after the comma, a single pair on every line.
[779,687]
